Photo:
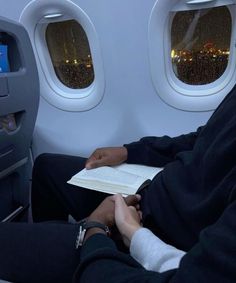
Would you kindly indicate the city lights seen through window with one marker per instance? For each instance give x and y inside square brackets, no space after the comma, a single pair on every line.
[200,44]
[200,48]
[70,54]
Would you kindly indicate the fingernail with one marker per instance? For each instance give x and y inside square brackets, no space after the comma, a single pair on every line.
[138,197]
[88,166]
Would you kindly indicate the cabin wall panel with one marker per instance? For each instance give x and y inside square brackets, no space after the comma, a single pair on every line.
[130,107]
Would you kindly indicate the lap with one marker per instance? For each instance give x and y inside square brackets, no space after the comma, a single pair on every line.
[43,252]
[50,190]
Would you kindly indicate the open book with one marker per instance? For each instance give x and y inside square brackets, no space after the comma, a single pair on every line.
[125,179]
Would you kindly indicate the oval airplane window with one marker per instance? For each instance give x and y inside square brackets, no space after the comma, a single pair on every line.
[195,38]
[200,44]
[68,54]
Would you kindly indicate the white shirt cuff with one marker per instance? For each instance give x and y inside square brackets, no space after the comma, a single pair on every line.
[152,253]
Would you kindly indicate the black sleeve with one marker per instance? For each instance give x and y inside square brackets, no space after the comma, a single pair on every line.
[101,262]
[158,151]
[212,259]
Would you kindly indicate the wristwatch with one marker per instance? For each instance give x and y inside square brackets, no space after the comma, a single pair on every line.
[84,225]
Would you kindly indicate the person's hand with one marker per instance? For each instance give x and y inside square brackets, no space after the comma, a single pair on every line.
[107,156]
[105,213]
[127,218]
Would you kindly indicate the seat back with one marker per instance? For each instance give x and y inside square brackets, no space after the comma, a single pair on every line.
[19,98]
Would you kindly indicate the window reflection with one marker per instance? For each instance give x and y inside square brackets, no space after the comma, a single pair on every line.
[200,44]
[70,53]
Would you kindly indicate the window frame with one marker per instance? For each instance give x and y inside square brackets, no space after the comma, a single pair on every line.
[35,17]
[172,90]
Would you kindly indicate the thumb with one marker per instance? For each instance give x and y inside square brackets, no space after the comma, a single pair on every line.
[120,204]
[119,201]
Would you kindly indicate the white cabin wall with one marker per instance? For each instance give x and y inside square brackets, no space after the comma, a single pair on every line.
[12,9]
[130,108]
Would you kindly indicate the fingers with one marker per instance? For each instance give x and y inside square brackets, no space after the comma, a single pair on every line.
[119,203]
[137,206]
[132,210]
[128,203]
[127,218]
[132,200]
[140,215]
[90,161]
[91,164]
[97,159]
[107,156]
[137,214]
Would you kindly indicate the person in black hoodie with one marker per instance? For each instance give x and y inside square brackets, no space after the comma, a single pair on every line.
[189,205]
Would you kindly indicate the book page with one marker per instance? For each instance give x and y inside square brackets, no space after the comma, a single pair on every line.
[147,172]
[108,179]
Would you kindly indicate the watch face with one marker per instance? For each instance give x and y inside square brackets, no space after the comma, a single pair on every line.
[82,222]
[81,234]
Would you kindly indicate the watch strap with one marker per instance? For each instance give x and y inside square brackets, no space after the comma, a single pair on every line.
[85,226]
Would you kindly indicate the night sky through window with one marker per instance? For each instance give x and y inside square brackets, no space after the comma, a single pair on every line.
[200,44]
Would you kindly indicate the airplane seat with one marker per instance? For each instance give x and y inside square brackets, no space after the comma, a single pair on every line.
[19,99]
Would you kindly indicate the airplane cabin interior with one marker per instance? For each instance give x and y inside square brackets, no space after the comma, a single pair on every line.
[78,75]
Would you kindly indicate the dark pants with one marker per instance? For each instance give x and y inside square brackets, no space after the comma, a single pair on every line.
[38,253]
[45,252]
[52,197]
